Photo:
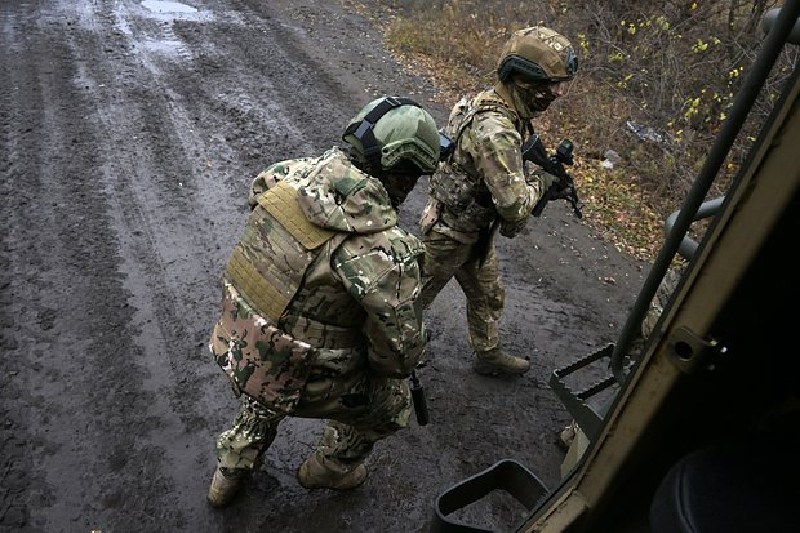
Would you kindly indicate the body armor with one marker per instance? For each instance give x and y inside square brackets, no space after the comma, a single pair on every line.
[289,326]
[464,203]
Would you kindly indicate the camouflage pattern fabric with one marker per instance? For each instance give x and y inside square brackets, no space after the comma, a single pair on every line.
[259,359]
[347,439]
[446,258]
[485,177]
[483,182]
[356,309]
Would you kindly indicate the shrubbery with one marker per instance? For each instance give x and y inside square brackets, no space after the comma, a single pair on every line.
[667,69]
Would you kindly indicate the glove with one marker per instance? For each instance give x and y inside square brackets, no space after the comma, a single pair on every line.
[510,229]
[546,180]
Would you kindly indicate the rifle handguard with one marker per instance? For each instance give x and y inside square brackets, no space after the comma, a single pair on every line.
[534,151]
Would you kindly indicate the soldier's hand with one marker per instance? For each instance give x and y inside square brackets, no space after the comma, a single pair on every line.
[510,229]
[546,180]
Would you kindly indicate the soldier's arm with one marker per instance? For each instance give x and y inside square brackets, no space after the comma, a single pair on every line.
[498,158]
[381,272]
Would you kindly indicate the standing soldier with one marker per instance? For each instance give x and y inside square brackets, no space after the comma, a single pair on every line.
[483,185]
[320,317]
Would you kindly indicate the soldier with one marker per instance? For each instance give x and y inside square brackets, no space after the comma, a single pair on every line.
[319,312]
[484,185]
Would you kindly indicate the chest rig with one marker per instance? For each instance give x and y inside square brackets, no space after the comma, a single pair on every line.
[459,184]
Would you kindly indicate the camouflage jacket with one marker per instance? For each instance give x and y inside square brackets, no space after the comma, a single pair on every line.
[321,288]
[485,177]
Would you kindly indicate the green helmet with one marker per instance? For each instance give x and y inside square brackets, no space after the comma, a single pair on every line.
[392,130]
[537,54]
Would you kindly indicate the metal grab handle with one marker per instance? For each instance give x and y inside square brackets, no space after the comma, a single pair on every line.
[506,474]
[779,32]
[707,209]
[769,22]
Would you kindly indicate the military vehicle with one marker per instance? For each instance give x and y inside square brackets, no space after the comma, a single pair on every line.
[703,433]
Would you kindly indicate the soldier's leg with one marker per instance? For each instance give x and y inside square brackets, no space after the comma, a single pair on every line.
[485,295]
[338,461]
[443,256]
[240,449]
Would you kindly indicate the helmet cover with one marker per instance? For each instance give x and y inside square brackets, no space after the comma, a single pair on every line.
[403,131]
[537,54]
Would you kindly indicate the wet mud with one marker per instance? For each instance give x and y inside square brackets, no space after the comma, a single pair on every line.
[129,133]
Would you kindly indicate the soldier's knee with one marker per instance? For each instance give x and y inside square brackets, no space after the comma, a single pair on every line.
[392,407]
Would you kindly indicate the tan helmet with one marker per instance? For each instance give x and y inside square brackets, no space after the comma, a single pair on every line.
[537,54]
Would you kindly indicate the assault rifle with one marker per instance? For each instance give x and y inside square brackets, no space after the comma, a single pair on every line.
[534,151]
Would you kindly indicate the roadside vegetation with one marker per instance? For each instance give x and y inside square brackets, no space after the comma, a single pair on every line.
[656,82]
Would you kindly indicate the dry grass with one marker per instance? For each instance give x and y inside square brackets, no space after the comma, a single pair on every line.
[674,67]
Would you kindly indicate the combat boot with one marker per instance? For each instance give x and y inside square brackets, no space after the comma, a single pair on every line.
[567,436]
[224,487]
[496,363]
[316,472]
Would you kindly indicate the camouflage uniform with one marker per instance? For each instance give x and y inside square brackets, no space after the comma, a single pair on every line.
[484,186]
[484,182]
[319,317]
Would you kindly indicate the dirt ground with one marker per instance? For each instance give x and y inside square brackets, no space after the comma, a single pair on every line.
[130,133]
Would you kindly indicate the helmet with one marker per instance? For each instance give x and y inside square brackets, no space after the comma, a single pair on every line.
[537,54]
[392,131]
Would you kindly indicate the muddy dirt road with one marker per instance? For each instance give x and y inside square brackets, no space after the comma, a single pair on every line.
[129,133]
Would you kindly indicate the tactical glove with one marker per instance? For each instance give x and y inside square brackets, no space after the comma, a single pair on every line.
[546,180]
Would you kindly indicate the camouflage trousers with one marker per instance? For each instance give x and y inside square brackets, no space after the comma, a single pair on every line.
[367,412]
[446,258]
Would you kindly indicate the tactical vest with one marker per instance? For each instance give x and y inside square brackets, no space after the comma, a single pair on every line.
[458,184]
[263,274]
[267,284]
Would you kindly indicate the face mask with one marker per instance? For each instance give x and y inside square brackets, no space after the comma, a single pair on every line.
[399,186]
[532,99]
